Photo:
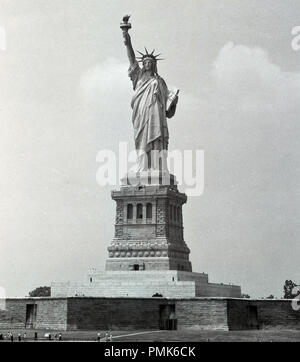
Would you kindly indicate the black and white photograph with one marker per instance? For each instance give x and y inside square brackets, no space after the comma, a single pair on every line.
[149,173]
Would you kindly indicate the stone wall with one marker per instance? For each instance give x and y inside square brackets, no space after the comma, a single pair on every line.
[144,313]
[277,313]
[115,314]
[51,313]
[207,314]
[271,314]
[14,316]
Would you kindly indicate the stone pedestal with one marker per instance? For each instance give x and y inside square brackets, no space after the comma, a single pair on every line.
[149,225]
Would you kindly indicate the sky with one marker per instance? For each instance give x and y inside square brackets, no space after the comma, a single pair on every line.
[65,96]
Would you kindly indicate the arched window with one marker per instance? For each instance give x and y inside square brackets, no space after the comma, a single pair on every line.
[139,211]
[129,211]
[149,211]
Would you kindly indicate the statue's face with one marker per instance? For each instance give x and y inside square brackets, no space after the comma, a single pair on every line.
[149,64]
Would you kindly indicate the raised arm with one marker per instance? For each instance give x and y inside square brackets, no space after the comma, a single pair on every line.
[129,47]
[125,26]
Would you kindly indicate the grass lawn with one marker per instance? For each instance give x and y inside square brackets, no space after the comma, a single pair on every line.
[171,336]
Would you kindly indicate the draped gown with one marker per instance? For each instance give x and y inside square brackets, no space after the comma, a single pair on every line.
[149,115]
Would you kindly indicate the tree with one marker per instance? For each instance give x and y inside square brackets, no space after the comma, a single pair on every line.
[288,290]
[247,296]
[40,292]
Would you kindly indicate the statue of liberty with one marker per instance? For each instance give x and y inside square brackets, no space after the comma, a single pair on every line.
[152,104]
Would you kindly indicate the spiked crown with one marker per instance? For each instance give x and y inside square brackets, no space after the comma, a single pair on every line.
[148,55]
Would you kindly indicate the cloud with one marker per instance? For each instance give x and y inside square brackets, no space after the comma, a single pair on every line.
[247,74]
[105,82]
[248,99]
[253,112]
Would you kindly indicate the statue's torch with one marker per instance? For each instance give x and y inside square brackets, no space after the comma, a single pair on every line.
[125,25]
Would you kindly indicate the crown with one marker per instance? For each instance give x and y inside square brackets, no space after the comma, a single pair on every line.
[148,55]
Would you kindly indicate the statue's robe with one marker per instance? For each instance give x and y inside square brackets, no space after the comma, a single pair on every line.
[149,112]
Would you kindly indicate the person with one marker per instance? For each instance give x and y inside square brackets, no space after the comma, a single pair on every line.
[25,336]
[150,109]
[110,336]
[19,337]
[99,337]
[60,337]
[106,337]
[35,336]
[11,337]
